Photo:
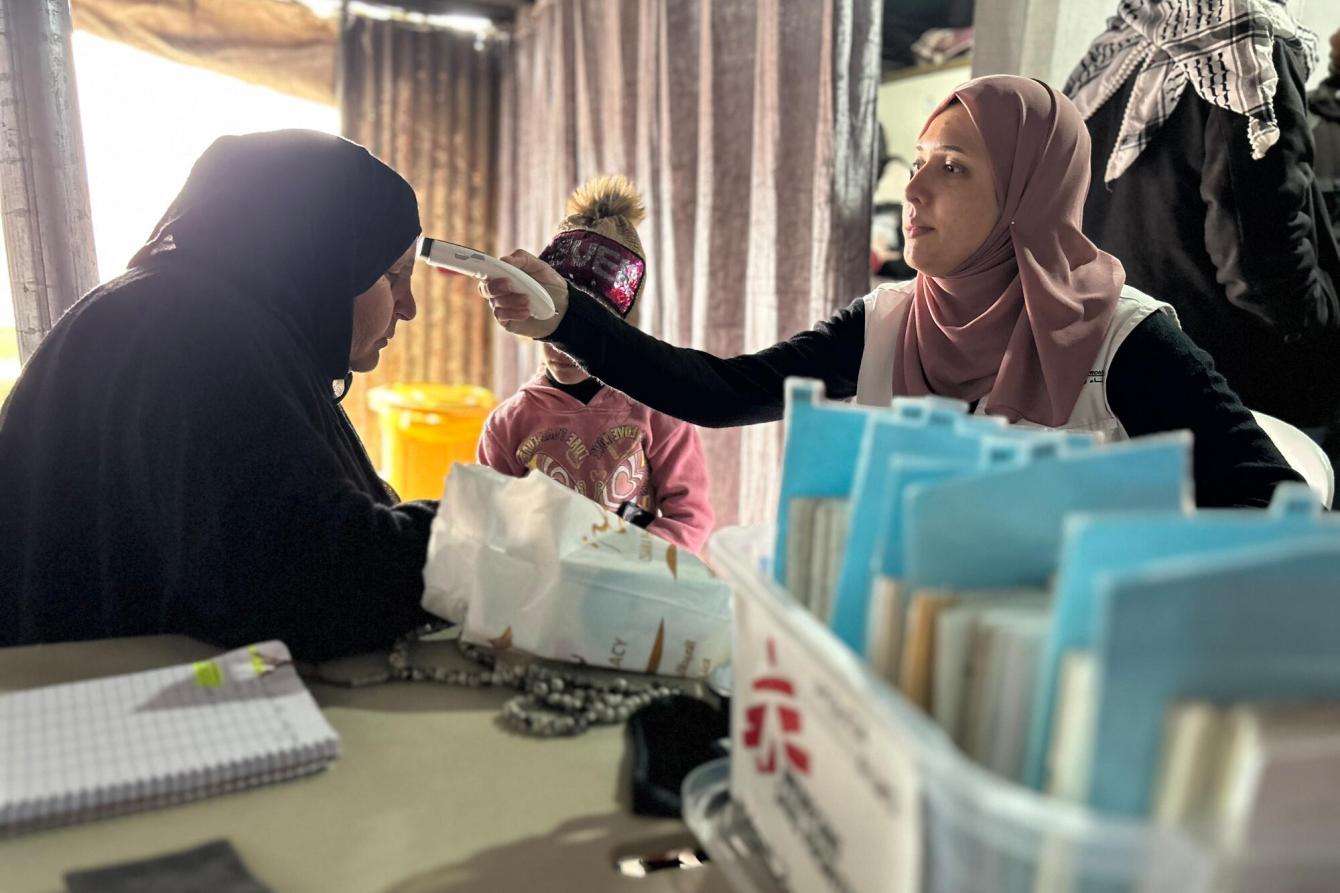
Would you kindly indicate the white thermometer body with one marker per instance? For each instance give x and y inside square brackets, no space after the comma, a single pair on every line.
[461,259]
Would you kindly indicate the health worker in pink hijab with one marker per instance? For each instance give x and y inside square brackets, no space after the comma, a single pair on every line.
[1012,303]
[1013,310]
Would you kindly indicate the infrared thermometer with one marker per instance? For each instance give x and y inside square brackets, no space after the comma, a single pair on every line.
[460,259]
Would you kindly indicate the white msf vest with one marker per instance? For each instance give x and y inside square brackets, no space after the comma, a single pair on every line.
[886,310]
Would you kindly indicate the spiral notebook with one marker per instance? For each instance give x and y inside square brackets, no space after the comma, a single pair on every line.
[88,750]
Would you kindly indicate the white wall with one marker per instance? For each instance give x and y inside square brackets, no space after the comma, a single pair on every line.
[1078,23]
[1323,17]
[1036,38]
[903,105]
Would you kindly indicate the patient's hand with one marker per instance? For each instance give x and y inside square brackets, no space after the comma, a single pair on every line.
[511,307]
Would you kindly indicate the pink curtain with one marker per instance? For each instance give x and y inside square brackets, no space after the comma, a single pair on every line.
[426,103]
[749,127]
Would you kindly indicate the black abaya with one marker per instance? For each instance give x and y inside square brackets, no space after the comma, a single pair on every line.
[173,458]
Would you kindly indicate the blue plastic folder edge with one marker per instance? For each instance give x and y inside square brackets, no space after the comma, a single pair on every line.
[1002,528]
[916,430]
[1095,544]
[823,439]
[1224,627]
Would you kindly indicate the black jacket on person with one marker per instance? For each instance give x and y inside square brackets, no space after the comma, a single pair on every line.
[1241,247]
[173,459]
[1324,104]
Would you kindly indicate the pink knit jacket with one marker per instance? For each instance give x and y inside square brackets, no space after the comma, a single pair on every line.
[612,450]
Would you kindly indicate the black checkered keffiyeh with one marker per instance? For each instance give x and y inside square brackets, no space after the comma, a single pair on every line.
[1221,48]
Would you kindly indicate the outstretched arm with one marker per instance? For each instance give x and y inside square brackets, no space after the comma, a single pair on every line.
[685,384]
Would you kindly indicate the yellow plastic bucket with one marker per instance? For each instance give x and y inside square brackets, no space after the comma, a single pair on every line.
[424,428]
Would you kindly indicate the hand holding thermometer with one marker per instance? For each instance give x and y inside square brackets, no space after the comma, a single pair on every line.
[460,259]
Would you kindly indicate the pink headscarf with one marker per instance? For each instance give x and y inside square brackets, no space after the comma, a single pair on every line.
[1021,320]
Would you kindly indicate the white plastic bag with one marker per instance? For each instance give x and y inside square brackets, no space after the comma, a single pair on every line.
[527,563]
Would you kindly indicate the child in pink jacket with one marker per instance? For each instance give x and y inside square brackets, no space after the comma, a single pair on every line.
[645,466]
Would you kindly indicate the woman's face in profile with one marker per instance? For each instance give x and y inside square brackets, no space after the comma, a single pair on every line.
[950,205]
[377,310]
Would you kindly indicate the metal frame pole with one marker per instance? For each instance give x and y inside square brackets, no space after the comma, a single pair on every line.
[43,181]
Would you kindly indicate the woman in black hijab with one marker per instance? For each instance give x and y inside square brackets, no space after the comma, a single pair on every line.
[173,458]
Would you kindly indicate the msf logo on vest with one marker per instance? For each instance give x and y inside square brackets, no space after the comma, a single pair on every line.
[772,722]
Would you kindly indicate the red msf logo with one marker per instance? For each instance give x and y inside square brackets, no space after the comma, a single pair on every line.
[763,737]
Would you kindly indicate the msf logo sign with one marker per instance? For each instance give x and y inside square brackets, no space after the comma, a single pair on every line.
[772,722]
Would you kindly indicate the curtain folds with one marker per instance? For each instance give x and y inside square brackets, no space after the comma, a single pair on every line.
[426,103]
[750,129]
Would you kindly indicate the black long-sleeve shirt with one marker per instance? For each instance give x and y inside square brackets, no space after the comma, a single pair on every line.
[1158,381]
